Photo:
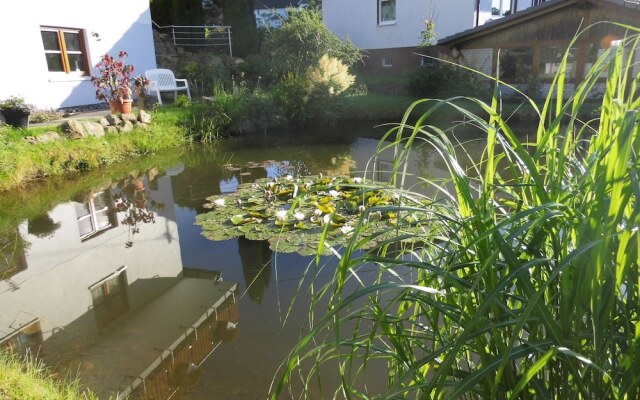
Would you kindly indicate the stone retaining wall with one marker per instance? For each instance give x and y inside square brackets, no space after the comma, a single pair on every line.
[78,129]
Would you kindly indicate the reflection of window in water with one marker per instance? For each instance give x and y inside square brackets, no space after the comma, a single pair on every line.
[384,170]
[110,298]
[95,215]
[29,337]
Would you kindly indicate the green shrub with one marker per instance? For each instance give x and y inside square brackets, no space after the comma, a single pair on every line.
[443,80]
[263,110]
[205,73]
[304,102]
[257,70]
[182,101]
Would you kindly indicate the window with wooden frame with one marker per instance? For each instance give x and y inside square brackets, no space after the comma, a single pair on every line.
[65,50]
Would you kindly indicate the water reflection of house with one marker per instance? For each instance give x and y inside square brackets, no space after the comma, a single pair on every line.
[88,303]
[423,163]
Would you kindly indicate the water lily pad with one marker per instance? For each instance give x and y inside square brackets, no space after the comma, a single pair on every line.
[255,211]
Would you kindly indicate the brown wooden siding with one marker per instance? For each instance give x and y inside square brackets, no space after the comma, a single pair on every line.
[555,27]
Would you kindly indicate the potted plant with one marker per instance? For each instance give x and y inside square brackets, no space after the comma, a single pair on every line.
[113,82]
[16,111]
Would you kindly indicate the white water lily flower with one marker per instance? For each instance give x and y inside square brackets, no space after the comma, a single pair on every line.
[326,219]
[346,229]
[270,184]
[298,215]
[281,215]
[334,193]
[317,212]
[361,208]
[289,177]
[357,179]
[219,202]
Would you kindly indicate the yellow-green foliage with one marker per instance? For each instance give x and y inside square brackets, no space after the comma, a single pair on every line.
[333,73]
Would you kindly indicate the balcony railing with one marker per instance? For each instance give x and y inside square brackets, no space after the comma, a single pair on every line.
[214,36]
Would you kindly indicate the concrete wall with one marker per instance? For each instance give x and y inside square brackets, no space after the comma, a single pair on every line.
[357,20]
[123,25]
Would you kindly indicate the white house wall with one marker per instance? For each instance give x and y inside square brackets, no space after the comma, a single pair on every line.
[357,21]
[123,25]
[60,269]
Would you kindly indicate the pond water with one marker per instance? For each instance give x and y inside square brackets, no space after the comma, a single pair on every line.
[106,276]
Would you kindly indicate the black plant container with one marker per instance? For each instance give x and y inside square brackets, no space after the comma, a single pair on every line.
[16,118]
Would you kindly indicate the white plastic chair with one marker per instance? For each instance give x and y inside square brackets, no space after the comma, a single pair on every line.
[163,80]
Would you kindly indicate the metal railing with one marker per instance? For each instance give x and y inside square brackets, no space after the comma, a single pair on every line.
[199,35]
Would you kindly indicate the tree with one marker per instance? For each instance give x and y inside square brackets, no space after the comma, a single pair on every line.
[302,39]
[177,12]
[240,16]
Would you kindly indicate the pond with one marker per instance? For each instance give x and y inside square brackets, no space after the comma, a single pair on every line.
[106,276]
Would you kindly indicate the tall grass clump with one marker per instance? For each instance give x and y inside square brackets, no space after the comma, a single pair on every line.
[29,379]
[526,282]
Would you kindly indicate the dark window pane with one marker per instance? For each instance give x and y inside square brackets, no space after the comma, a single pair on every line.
[387,10]
[516,65]
[72,41]
[85,226]
[76,62]
[82,209]
[50,40]
[54,62]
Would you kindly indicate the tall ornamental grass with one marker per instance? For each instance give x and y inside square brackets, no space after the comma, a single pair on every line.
[526,283]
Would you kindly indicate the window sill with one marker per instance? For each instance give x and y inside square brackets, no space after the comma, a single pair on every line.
[387,23]
[69,78]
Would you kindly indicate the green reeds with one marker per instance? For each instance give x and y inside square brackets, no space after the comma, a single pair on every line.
[526,285]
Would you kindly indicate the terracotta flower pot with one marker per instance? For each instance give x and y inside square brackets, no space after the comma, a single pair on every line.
[126,106]
[138,185]
[114,105]
[120,106]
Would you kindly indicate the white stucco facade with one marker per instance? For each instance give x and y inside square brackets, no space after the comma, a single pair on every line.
[358,20]
[24,71]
